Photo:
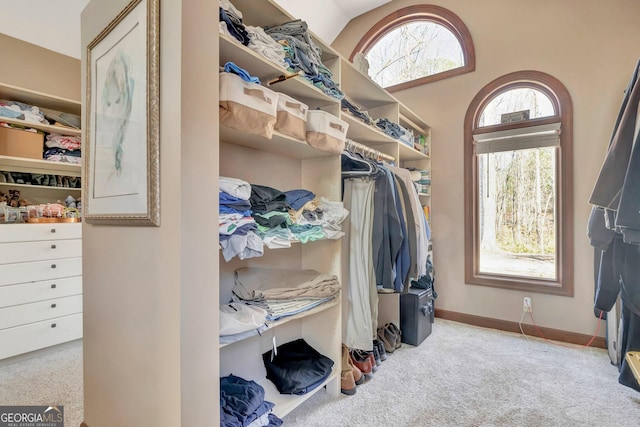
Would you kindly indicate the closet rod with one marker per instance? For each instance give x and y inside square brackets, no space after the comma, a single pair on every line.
[368,151]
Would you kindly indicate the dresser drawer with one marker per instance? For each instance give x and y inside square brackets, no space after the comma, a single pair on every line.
[32,232]
[38,251]
[24,272]
[38,311]
[25,293]
[34,336]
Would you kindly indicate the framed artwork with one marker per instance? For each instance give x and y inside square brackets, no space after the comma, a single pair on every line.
[122,149]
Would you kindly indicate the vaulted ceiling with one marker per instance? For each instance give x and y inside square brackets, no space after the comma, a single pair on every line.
[55,25]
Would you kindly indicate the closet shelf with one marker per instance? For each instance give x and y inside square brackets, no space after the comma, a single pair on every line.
[364,133]
[280,144]
[265,70]
[362,88]
[424,194]
[285,403]
[372,137]
[408,153]
[272,325]
[44,187]
[21,164]
[39,99]
[60,130]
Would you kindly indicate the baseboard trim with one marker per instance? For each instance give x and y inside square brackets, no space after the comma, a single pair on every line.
[504,325]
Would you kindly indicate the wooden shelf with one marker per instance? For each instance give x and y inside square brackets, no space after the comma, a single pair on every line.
[280,144]
[41,126]
[38,99]
[363,133]
[43,187]
[259,66]
[269,14]
[272,325]
[21,164]
[285,403]
[362,88]
[408,153]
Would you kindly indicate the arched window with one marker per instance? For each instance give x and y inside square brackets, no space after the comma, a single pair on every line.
[518,185]
[417,45]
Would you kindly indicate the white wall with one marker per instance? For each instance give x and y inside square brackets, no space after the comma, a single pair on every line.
[589,45]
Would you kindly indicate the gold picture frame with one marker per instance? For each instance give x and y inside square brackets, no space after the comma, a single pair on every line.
[122,121]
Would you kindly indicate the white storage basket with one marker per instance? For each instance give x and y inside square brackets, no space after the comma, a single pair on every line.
[291,117]
[326,132]
[247,106]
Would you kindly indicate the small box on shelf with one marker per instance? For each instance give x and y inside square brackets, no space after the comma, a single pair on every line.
[21,143]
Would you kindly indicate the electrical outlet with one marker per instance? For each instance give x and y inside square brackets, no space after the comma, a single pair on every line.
[526,305]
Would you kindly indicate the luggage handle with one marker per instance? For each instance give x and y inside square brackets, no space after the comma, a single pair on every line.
[295,105]
[257,93]
[337,126]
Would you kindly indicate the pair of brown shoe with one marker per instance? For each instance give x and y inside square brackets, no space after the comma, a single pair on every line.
[390,336]
[351,374]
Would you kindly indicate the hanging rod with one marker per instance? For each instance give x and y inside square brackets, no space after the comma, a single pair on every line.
[367,151]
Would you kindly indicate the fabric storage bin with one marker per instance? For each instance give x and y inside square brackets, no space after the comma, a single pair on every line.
[291,117]
[326,132]
[247,106]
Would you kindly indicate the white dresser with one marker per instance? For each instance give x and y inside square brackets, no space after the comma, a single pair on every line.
[40,286]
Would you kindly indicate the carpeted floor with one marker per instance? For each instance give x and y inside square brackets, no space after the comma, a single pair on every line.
[48,377]
[467,376]
[460,376]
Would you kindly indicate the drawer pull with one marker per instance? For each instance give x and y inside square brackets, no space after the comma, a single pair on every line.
[53,266]
[53,305]
[53,246]
[53,230]
[53,325]
[53,286]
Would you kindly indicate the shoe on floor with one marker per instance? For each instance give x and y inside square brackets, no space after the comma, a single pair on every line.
[387,338]
[396,331]
[362,361]
[347,365]
[347,383]
[381,351]
[372,359]
[376,356]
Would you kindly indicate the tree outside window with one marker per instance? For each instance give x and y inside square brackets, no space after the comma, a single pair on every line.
[417,45]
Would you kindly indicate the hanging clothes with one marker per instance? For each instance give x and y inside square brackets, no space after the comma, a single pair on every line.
[389,238]
[614,227]
[362,318]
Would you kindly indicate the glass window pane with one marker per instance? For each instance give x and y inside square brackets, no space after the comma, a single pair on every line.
[412,51]
[517,213]
[523,99]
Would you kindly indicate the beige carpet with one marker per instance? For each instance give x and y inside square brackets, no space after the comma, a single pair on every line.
[467,376]
[48,377]
[460,376]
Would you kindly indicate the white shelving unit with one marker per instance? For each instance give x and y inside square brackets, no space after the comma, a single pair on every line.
[40,193]
[286,163]
[41,264]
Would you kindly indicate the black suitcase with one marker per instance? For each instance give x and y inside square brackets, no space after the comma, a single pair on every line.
[416,315]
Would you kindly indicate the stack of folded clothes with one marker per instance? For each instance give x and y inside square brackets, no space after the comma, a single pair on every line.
[242,404]
[239,321]
[255,215]
[236,226]
[284,292]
